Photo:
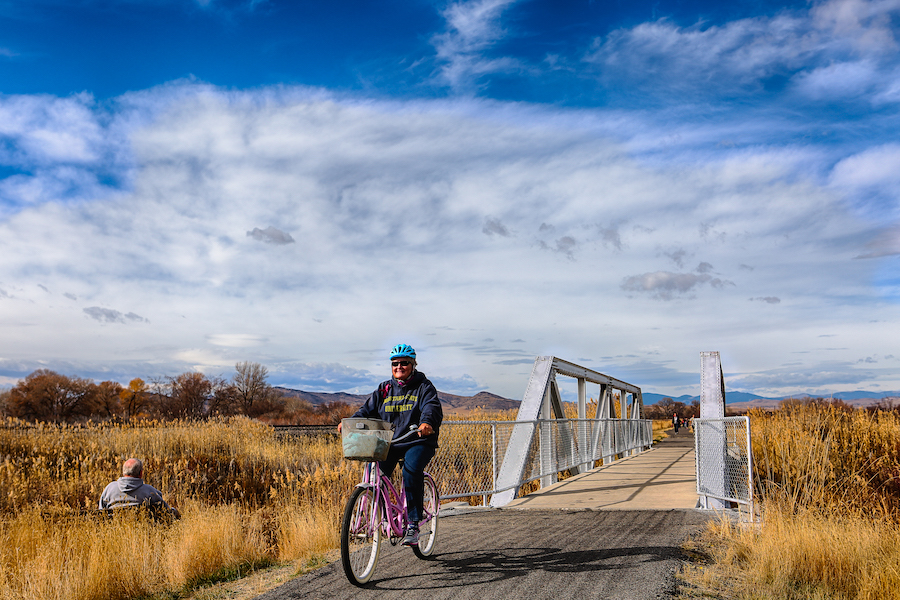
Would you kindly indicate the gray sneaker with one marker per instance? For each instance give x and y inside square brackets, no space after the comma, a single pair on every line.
[411,537]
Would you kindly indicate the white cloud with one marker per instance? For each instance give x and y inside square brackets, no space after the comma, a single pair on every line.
[871,182]
[397,212]
[48,130]
[472,28]
[836,49]
[665,285]
[236,340]
[839,80]
[873,167]
[108,315]
[884,243]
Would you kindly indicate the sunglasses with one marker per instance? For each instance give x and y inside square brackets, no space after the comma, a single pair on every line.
[401,363]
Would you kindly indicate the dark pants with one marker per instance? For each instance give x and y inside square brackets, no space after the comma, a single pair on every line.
[415,458]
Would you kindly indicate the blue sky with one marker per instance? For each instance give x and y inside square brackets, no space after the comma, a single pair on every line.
[187,184]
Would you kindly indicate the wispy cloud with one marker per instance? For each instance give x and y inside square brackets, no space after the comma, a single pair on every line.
[836,49]
[473,26]
[108,315]
[767,299]
[884,243]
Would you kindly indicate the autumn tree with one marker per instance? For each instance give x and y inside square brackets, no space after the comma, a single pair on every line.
[45,395]
[108,404]
[661,410]
[331,413]
[134,398]
[251,390]
[223,400]
[187,397]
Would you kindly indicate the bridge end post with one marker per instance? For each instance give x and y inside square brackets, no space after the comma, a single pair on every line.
[712,406]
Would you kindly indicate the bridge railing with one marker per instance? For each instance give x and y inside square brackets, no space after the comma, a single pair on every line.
[724,460]
[471,452]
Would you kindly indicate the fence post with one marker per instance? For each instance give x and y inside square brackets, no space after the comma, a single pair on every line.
[493,460]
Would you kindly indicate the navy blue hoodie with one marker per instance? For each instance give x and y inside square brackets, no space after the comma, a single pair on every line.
[404,403]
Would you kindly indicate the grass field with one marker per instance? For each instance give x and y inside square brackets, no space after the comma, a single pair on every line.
[828,479]
[248,499]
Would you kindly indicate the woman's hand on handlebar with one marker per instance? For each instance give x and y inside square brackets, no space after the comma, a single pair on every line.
[425,429]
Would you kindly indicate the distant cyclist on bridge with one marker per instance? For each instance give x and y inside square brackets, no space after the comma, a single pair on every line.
[407,398]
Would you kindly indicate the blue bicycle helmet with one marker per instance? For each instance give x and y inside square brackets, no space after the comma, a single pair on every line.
[403,350]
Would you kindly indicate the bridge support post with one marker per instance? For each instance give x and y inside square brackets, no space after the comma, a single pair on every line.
[712,406]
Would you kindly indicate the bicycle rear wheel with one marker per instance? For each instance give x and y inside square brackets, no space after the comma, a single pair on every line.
[428,526]
[360,536]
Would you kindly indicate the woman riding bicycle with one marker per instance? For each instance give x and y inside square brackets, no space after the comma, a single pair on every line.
[407,398]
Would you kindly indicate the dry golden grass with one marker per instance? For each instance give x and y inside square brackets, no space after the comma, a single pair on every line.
[828,479]
[248,499]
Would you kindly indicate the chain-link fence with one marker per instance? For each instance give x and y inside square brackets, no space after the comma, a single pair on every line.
[724,460]
[471,453]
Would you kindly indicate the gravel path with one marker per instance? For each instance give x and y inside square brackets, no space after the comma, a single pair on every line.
[533,554]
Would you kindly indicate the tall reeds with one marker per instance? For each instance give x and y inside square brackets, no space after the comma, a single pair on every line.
[247,498]
[828,481]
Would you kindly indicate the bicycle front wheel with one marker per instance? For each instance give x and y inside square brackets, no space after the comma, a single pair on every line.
[428,526]
[360,536]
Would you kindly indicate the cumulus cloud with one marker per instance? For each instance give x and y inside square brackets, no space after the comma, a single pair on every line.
[806,378]
[271,235]
[767,299]
[666,285]
[60,149]
[395,222]
[322,377]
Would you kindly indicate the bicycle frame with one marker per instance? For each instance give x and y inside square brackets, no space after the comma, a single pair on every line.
[393,522]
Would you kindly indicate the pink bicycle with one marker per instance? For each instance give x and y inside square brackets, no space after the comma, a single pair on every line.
[377,510]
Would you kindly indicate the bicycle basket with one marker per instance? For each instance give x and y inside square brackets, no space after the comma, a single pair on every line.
[366,439]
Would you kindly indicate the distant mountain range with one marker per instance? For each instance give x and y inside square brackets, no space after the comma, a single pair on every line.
[739,401]
[745,401]
[485,400]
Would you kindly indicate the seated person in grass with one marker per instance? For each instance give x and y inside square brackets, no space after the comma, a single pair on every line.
[130,491]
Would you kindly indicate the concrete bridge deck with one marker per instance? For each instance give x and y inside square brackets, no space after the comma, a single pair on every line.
[659,479]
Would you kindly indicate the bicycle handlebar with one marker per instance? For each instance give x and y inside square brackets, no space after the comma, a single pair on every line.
[412,429]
